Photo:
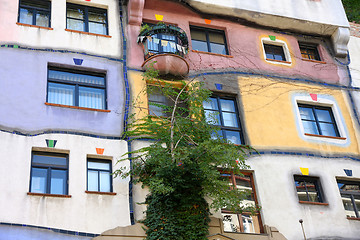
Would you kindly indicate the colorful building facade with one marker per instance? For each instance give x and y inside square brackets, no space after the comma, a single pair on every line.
[279,73]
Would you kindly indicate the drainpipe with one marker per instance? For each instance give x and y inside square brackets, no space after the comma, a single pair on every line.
[126,113]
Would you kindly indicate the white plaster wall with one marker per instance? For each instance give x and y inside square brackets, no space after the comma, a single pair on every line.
[273,176]
[264,12]
[354,50]
[83,212]
[23,84]
[58,38]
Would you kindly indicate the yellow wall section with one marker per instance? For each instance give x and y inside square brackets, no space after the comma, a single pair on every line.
[270,120]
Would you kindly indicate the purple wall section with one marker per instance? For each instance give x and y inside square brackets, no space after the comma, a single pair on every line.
[23,82]
[244,44]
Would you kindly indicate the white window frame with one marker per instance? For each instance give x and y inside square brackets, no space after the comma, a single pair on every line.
[324,101]
[276,42]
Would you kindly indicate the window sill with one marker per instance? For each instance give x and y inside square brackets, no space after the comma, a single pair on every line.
[323,136]
[101,193]
[75,107]
[277,61]
[48,195]
[215,54]
[34,26]
[314,203]
[88,33]
[315,61]
[353,218]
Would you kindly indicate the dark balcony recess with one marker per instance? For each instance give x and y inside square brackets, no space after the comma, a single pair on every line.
[164,48]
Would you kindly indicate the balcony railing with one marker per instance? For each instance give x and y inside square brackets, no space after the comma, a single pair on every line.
[162,39]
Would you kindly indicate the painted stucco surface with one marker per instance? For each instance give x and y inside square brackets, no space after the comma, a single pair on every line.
[328,12]
[280,205]
[245,45]
[58,38]
[24,87]
[271,121]
[90,213]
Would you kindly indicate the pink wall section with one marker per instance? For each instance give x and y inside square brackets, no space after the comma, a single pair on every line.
[244,44]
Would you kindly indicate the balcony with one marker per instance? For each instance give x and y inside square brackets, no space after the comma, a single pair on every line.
[164,49]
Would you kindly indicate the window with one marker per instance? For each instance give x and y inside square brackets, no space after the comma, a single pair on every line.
[318,120]
[350,195]
[245,222]
[208,40]
[309,52]
[155,46]
[76,88]
[274,52]
[161,105]
[86,19]
[35,12]
[308,189]
[49,173]
[222,112]
[99,178]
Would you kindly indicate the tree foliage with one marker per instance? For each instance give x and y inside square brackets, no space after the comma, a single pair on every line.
[352,9]
[183,164]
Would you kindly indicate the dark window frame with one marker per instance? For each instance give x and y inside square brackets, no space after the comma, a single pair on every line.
[350,194]
[49,167]
[232,178]
[77,84]
[35,10]
[207,31]
[224,128]
[317,185]
[310,51]
[86,16]
[271,49]
[317,122]
[99,170]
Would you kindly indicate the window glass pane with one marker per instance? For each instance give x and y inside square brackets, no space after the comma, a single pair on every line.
[42,19]
[323,115]
[312,192]
[44,5]
[78,25]
[38,180]
[91,98]
[156,111]
[199,45]
[93,182]
[75,13]
[348,205]
[98,28]
[230,119]
[76,77]
[61,94]
[99,165]
[310,127]
[26,16]
[197,35]
[99,17]
[231,222]
[212,104]
[227,105]
[50,160]
[105,182]
[156,96]
[218,48]
[350,187]
[244,183]
[248,223]
[212,117]
[58,182]
[327,129]
[306,113]
[233,137]
[274,52]
[216,37]
[357,202]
